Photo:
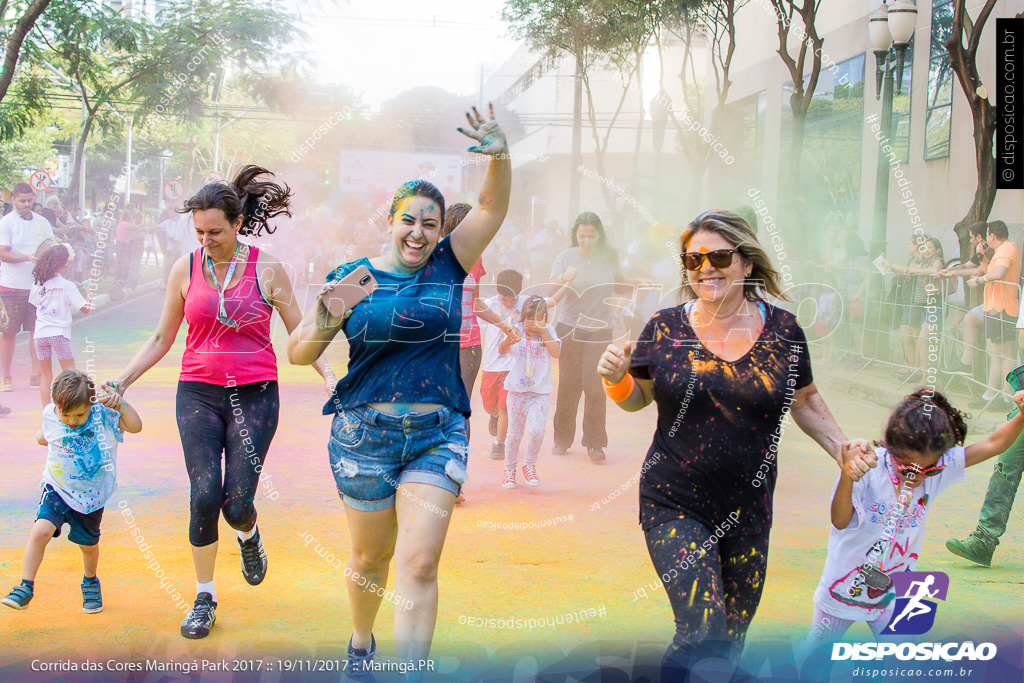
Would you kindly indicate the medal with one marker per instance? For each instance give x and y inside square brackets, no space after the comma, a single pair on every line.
[222,317]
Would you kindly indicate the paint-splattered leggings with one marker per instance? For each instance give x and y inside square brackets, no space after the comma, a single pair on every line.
[238,422]
[527,413]
[714,586]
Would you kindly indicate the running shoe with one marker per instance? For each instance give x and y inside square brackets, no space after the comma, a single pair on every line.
[92,600]
[559,450]
[360,663]
[510,480]
[498,451]
[596,454]
[530,474]
[33,381]
[254,559]
[19,597]
[5,384]
[200,618]
[492,425]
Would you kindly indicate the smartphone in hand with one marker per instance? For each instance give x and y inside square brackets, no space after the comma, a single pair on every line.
[349,291]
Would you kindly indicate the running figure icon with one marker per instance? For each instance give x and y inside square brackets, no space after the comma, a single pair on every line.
[916,607]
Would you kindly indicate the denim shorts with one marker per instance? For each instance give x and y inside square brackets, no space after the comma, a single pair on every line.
[372,453]
[84,529]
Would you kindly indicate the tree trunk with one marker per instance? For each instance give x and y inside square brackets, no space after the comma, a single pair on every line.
[13,49]
[80,155]
[984,115]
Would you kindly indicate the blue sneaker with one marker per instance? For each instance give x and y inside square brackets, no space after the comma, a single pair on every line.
[92,600]
[360,666]
[19,597]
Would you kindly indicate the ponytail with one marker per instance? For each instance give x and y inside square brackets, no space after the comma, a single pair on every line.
[255,201]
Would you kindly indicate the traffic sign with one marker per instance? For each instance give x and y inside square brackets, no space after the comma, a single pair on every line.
[40,181]
[213,177]
[174,189]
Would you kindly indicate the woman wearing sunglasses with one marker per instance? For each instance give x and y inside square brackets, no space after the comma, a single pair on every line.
[724,368]
[879,511]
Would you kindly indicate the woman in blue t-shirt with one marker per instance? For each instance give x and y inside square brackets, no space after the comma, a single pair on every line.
[400,411]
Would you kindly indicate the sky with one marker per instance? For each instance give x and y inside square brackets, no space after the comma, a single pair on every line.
[382,47]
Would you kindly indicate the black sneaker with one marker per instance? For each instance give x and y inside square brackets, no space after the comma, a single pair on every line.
[559,450]
[360,666]
[19,597]
[254,559]
[92,600]
[200,618]
[492,425]
[596,454]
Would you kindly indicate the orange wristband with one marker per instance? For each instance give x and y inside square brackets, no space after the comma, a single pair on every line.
[621,391]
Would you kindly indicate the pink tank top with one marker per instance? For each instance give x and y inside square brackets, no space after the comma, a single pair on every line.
[222,355]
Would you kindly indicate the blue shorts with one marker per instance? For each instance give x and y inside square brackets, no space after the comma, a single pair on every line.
[84,527]
[372,453]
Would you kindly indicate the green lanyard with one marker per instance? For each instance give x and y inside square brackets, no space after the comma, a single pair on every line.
[222,316]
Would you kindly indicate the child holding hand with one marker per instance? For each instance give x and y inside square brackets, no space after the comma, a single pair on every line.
[81,433]
[532,344]
[880,506]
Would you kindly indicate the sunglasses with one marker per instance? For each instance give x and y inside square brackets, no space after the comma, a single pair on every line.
[914,471]
[720,258]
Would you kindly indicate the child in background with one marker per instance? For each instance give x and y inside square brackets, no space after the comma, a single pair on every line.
[532,343]
[879,509]
[507,304]
[81,435]
[54,296]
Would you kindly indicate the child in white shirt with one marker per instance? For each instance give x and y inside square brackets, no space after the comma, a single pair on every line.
[880,506]
[533,344]
[54,297]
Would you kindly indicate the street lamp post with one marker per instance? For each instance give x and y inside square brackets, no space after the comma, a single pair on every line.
[890,28]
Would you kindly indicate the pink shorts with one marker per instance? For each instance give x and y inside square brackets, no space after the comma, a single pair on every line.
[492,390]
[60,345]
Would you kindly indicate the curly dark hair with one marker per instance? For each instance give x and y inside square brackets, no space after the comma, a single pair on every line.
[50,263]
[256,201]
[925,422]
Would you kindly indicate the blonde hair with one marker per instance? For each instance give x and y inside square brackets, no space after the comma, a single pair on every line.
[734,229]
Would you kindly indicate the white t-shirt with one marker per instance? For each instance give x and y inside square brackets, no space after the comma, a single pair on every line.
[875,508]
[531,364]
[81,463]
[54,300]
[491,360]
[23,237]
[184,232]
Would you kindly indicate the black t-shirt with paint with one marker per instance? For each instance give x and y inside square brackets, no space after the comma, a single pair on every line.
[719,422]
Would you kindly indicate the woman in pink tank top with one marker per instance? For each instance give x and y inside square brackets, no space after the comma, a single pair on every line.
[227,401]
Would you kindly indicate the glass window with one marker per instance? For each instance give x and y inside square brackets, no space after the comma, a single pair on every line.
[939,109]
[901,105]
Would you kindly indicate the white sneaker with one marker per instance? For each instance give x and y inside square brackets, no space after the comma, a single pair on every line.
[530,474]
[510,479]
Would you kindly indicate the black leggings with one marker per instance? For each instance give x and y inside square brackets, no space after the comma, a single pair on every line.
[714,597]
[238,422]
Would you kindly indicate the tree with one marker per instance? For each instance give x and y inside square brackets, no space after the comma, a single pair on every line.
[809,46]
[691,21]
[26,19]
[963,60]
[599,34]
[151,71]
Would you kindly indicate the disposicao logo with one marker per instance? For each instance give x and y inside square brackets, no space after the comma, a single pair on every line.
[914,614]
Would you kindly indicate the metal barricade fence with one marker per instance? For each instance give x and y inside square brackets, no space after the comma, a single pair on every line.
[874,330]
